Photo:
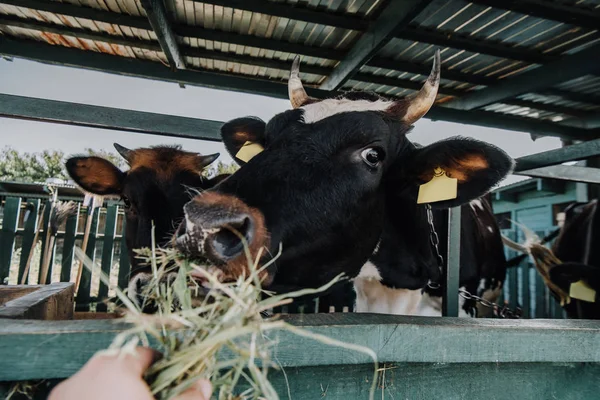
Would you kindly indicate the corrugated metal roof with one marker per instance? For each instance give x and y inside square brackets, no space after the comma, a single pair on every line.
[481,45]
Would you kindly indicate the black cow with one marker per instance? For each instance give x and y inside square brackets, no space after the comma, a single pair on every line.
[337,186]
[576,248]
[155,188]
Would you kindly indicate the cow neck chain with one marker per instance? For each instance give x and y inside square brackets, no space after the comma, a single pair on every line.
[502,311]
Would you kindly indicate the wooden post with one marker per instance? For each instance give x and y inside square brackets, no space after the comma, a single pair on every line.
[30,234]
[12,208]
[452,270]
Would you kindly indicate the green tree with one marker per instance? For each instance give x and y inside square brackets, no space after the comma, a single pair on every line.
[31,167]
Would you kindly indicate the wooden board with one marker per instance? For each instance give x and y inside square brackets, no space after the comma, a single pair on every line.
[396,339]
[46,302]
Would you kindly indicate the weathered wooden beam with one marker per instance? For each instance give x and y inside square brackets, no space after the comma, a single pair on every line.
[432,340]
[571,14]
[43,302]
[240,83]
[575,152]
[295,12]
[90,13]
[63,112]
[567,68]
[565,172]
[157,15]
[465,42]
[394,16]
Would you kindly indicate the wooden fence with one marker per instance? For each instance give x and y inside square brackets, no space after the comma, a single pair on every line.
[21,215]
[523,288]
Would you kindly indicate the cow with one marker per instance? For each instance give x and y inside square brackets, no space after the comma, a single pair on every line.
[159,182]
[336,185]
[575,247]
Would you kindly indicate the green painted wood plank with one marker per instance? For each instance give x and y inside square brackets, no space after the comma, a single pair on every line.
[83,294]
[124,265]
[42,236]
[33,207]
[525,288]
[418,381]
[540,298]
[68,245]
[107,251]
[12,208]
[394,338]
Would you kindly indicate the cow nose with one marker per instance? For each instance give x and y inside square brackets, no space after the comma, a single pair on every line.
[228,241]
[220,232]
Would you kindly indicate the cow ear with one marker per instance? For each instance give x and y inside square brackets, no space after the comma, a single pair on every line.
[237,132]
[95,175]
[477,167]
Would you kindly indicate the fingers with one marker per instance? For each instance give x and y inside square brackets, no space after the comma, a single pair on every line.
[135,363]
[202,390]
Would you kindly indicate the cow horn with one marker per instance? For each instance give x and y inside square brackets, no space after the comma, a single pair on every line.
[123,151]
[421,102]
[298,96]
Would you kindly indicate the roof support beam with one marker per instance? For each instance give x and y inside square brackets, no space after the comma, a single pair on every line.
[568,14]
[63,112]
[392,18]
[464,42]
[295,12]
[157,15]
[567,68]
[574,152]
[565,172]
[11,20]
[82,12]
[253,41]
[239,83]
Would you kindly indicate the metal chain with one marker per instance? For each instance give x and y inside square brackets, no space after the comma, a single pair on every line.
[435,242]
[502,311]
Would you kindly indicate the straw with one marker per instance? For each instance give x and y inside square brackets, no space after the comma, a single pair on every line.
[220,336]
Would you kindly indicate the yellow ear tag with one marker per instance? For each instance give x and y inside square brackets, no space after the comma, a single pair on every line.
[248,151]
[580,290]
[439,188]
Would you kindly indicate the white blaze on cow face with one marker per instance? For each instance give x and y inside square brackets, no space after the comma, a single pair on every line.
[326,108]
[373,297]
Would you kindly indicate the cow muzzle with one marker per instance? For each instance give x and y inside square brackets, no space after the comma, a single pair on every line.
[217,230]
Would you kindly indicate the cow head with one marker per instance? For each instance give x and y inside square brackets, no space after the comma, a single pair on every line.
[331,174]
[154,189]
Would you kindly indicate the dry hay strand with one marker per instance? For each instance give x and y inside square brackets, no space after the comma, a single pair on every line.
[544,260]
[216,331]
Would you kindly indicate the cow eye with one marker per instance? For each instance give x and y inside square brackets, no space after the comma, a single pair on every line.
[372,156]
[126,202]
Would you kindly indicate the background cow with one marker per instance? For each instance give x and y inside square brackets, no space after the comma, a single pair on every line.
[337,185]
[155,188]
[577,247]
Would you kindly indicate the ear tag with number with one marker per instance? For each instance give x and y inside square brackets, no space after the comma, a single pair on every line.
[439,188]
[581,291]
[248,151]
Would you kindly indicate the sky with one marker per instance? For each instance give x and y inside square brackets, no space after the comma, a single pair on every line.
[27,78]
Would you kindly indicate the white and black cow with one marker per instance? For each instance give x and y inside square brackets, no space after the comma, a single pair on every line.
[337,185]
[576,248]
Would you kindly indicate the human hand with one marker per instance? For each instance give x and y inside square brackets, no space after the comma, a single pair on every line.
[113,377]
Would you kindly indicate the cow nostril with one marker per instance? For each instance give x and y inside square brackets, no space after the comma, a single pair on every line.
[227,242]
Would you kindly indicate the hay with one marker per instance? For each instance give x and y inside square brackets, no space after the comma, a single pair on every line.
[220,335]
